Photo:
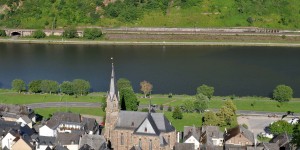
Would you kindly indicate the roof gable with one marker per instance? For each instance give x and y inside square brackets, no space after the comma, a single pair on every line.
[239,130]
[148,126]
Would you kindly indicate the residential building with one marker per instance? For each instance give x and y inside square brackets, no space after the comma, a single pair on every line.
[14,112]
[92,142]
[283,141]
[24,120]
[212,137]
[90,125]
[184,146]
[43,142]
[126,130]
[22,144]
[191,134]
[238,137]
[68,140]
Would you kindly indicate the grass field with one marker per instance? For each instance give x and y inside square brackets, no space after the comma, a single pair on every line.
[242,103]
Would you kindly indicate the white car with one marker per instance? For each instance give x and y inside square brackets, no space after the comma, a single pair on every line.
[268,135]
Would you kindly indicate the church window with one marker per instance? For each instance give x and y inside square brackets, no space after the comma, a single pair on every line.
[122,139]
[145,129]
[140,143]
[150,145]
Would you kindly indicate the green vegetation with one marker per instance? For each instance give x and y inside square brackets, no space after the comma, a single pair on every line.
[296,135]
[201,103]
[38,34]
[49,86]
[18,85]
[86,111]
[177,114]
[92,34]
[281,126]
[128,98]
[2,33]
[188,119]
[283,93]
[206,90]
[70,32]
[279,14]
[81,87]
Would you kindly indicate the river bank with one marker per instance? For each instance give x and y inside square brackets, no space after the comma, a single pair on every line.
[175,43]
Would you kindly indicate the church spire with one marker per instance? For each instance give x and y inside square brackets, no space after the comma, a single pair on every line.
[112,88]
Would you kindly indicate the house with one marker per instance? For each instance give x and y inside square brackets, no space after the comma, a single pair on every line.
[92,142]
[90,125]
[191,134]
[10,139]
[184,146]
[212,137]
[68,140]
[135,130]
[61,122]
[24,120]
[268,146]
[282,140]
[14,112]
[44,142]
[22,144]
[238,137]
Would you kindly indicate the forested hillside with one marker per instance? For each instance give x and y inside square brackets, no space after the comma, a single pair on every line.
[280,14]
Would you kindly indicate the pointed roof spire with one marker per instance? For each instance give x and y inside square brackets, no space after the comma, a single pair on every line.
[112,88]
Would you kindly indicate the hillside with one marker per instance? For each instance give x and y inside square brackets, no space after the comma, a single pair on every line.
[48,14]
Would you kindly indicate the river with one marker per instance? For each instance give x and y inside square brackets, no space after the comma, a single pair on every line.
[239,70]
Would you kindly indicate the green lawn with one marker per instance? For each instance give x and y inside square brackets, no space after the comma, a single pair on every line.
[87,111]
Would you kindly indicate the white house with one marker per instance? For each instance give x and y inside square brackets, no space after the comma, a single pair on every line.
[192,135]
[24,120]
[10,139]
[47,131]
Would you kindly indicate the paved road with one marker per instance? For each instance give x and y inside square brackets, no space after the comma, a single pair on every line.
[63,104]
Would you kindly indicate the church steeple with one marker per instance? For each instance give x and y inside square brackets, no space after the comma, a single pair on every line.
[112,88]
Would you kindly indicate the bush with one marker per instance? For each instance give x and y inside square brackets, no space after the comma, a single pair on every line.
[170,108]
[145,110]
[38,34]
[2,33]
[177,114]
[161,107]
[92,33]
[170,95]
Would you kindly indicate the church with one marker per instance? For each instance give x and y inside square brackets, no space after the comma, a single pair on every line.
[133,130]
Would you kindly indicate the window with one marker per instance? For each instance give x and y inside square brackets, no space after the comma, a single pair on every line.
[132,124]
[150,144]
[122,139]
[169,139]
[140,143]
[145,129]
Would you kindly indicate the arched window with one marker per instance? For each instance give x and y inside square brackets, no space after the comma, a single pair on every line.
[122,139]
[145,129]
[150,144]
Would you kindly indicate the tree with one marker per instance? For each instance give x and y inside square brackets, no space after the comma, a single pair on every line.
[177,114]
[201,103]
[296,135]
[92,33]
[283,93]
[70,33]
[49,86]
[35,86]
[103,104]
[39,34]
[188,106]
[130,99]
[210,119]
[2,33]
[146,87]
[281,126]
[18,85]
[81,86]
[67,87]
[123,83]
[229,104]
[206,90]
[226,116]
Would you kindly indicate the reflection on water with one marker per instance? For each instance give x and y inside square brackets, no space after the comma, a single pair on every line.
[176,69]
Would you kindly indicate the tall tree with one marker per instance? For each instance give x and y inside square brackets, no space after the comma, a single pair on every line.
[146,88]
[35,86]
[49,86]
[281,126]
[127,96]
[283,93]
[67,87]
[201,103]
[18,85]
[81,86]
[206,90]
[229,104]
[188,106]
[226,116]
[177,114]
[210,119]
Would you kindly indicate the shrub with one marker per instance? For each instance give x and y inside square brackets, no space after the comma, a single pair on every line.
[283,93]
[169,108]
[177,114]
[161,107]
[2,33]
[39,34]
[92,33]
[70,33]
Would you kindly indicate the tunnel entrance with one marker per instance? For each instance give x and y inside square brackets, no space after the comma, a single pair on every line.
[15,34]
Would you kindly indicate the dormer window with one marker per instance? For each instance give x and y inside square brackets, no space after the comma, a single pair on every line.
[132,124]
[145,129]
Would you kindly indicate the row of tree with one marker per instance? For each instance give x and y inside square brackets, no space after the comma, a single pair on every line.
[70,32]
[77,86]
